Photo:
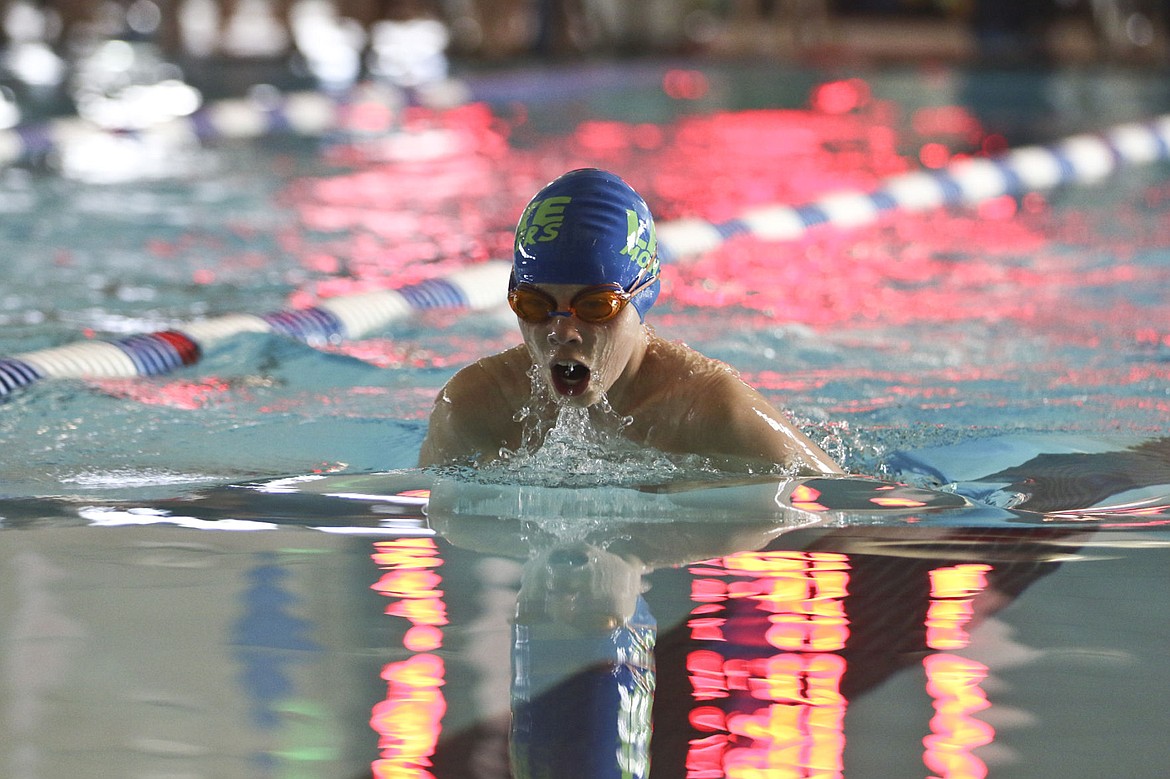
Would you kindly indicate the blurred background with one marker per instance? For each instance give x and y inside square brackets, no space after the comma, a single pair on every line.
[53,52]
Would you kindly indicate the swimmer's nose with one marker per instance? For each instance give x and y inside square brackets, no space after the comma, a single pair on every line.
[563,330]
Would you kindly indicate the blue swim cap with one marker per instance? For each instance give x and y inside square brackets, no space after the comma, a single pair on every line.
[588,227]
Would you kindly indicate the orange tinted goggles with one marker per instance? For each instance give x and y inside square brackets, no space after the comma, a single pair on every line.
[592,304]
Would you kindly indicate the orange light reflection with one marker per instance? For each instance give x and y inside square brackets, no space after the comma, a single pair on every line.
[408,721]
[952,593]
[799,731]
[953,683]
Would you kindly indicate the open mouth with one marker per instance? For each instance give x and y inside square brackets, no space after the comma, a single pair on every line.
[569,377]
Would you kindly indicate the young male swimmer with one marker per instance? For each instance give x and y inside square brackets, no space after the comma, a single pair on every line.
[585,271]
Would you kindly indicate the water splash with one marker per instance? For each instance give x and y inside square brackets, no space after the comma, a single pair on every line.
[563,445]
[584,447]
[567,445]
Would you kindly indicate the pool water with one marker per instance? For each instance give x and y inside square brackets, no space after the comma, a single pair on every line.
[164,616]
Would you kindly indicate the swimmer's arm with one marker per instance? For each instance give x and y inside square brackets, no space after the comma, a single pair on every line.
[741,423]
[463,428]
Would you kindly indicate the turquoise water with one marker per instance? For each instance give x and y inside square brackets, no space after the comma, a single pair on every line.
[163,620]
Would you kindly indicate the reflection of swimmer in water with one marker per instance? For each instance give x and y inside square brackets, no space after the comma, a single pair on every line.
[585,248]
[1062,482]
[583,672]
[603,673]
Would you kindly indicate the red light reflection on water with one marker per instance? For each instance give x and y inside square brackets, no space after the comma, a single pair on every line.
[685,84]
[782,713]
[408,720]
[805,497]
[1074,276]
[840,97]
[947,121]
[952,596]
[186,395]
[953,683]
[934,155]
[394,220]
[798,729]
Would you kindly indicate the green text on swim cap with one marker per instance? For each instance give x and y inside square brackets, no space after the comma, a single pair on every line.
[643,251]
[541,221]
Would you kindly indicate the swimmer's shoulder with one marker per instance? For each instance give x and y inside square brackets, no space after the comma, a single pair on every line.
[678,366]
[491,382]
[680,384]
[473,413]
[717,413]
[709,387]
[508,371]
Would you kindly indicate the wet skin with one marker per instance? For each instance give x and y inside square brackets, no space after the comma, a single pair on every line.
[582,361]
[680,401]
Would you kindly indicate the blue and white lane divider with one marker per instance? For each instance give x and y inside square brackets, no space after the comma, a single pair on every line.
[1078,160]
[1082,159]
[336,319]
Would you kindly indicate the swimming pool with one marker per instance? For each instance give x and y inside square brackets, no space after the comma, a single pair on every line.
[161,621]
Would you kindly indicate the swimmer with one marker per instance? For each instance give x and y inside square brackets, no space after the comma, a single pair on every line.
[585,272]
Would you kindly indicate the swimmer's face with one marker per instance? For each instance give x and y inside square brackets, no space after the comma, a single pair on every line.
[581,361]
